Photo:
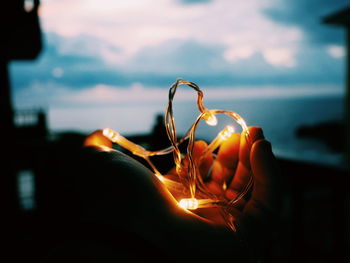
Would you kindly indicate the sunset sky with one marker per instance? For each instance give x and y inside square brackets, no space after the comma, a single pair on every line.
[110,51]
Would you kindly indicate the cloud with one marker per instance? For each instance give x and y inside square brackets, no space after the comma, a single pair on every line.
[179,57]
[65,61]
[307,16]
[135,25]
[280,57]
[237,53]
[103,59]
[58,96]
[114,43]
[336,51]
[160,65]
[195,1]
[105,94]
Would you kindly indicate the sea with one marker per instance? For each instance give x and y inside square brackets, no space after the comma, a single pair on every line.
[280,118]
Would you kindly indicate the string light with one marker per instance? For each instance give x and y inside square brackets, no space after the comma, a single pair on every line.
[219,139]
[189,203]
[190,189]
[210,118]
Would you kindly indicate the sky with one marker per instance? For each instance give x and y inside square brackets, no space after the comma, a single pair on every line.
[114,51]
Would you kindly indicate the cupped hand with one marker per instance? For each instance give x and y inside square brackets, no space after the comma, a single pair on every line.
[239,158]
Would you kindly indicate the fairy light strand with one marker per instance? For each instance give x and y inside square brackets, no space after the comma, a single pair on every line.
[193,191]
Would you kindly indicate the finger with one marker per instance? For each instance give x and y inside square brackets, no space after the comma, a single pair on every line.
[243,172]
[240,179]
[215,188]
[217,172]
[204,163]
[247,140]
[261,210]
[228,158]
[204,166]
[198,148]
[259,213]
[265,173]
[228,152]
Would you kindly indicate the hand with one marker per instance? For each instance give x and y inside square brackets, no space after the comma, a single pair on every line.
[238,158]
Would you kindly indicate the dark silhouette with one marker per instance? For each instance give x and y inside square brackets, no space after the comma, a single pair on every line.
[342,18]
[331,133]
[20,40]
[159,138]
[71,181]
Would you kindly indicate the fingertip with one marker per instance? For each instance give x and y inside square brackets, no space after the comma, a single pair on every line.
[255,133]
[231,141]
[204,162]
[217,172]
[200,143]
[265,171]
[199,147]
[262,147]
[263,161]
[228,152]
[231,194]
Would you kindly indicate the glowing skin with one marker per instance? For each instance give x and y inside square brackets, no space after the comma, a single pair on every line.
[189,187]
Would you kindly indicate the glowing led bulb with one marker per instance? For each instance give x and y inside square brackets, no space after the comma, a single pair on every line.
[188,183]
[227,132]
[210,118]
[189,203]
[125,143]
[110,134]
[222,136]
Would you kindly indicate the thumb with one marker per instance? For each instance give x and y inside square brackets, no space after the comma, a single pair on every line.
[260,213]
[266,176]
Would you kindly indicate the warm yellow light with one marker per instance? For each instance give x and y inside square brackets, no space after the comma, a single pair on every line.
[125,143]
[222,136]
[109,133]
[187,182]
[210,119]
[189,203]
[227,132]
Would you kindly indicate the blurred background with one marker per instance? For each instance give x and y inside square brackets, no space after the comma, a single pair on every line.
[69,67]
[274,62]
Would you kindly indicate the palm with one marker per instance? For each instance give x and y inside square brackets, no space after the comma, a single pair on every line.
[236,161]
